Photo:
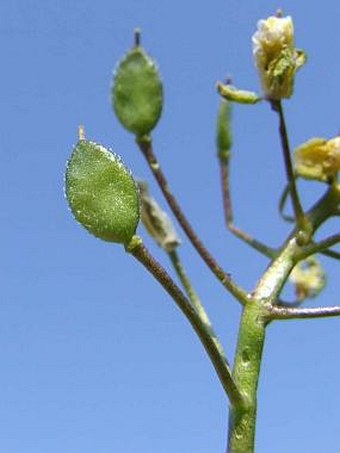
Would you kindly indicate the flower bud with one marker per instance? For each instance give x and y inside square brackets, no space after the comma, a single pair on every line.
[276,57]
[318,159]
[137,92]
[101,192]
[230,93]
[308,277]
[156,221]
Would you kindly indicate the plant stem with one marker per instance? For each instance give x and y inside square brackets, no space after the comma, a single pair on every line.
[146,148]
[258,313]
[192,295]
[286,313]
[282,204]
[319,247]
[204,332]
[228,213]
[298,211]
[331,254]
[242,420]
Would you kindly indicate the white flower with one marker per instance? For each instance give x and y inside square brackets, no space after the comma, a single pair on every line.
[275,56]
[273,34]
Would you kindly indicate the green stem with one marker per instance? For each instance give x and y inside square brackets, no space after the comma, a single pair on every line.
[320,247]
[203,331]
[242,420]
[147,150]
[259,311]
[298,211]
[182,275]
[282,204]
[228,213]
[285,313]
[331,254]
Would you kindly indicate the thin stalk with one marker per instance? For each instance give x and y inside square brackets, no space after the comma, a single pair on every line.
[228,213]
[298,211]
[282,204]
[184,279]
[147,150]
[331,254]
[320,246]
[210,343]
[286,313]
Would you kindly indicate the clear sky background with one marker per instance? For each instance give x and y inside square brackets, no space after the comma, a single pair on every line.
[94,355]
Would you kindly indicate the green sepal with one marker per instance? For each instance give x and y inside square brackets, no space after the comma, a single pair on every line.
[137,92]
[101,192]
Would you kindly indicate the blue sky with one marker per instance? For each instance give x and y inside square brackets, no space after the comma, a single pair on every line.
[94,355]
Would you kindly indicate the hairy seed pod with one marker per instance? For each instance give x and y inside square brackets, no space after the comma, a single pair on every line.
[101,192]
[137,92]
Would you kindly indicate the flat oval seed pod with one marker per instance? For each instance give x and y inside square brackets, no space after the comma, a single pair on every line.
[137,92]
[101,192]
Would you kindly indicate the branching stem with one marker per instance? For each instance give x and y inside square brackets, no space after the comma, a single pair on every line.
[319,247]
[228,213]
[331,254]
[183,276]
[285,313]
[259,312]
[147,150]
[202,329]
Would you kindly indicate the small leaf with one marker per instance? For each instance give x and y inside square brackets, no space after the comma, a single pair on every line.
[101,192]
[137,92]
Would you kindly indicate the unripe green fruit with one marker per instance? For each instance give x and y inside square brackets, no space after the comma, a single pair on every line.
[223,130]
[101,192]
[137,92]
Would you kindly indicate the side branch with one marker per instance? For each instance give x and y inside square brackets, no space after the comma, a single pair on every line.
[319,247]
[223,277]
[228,213]
[189,290]
[302,313]
[298,211]
[203,330]
[331,254]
